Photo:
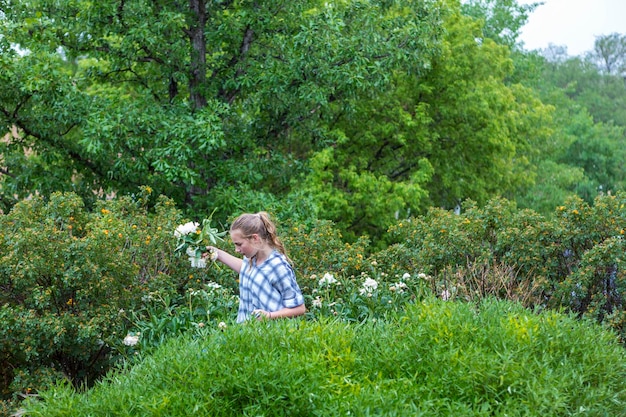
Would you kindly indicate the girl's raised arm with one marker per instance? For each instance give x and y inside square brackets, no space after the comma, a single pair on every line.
[226,258]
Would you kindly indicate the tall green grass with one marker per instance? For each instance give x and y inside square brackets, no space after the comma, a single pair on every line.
[436,359]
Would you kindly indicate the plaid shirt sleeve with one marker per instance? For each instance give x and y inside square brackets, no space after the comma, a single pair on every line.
[283,280]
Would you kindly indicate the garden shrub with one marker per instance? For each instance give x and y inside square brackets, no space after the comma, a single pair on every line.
[437,240]
[69,277]
[162,316]
[75,282]
[593,243]
[474,254]
[571,260]
[597,287]
[436,358]
[319,247]
[369,296]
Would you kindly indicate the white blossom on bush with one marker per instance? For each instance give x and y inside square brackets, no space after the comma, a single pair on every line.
[327,279]
[131,340]
[398,287]
[317,302]
[369,285]
[185,229]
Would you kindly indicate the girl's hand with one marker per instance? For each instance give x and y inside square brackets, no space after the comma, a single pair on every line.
[211,253]
[262,314]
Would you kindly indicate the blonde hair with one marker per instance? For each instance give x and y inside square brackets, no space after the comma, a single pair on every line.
[260,224]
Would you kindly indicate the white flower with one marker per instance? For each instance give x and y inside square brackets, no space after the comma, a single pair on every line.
[191,251]
[370,284]
[327,279]
[185,229]
[406,275]
[130,340]
[222,325]
[445,295]
[197,262]
[317,302]
[422,275]
[398,286]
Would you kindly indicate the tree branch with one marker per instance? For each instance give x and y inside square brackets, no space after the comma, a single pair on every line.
[5,171]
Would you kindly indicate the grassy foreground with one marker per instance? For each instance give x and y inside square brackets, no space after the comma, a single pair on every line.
[437,359]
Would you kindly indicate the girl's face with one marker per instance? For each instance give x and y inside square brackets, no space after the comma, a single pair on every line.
[246,246]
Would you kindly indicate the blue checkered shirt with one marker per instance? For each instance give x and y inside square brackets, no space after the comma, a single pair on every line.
[270,286]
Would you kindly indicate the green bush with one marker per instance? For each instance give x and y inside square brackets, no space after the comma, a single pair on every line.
[69,277]
[489,251]
[437,358]
[76,282]
[319,248]
[163,316]
[573,260]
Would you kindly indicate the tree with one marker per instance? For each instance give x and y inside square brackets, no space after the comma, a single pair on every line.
[502,19]
[191,98]
[609,54]
[457,132]
[584,154]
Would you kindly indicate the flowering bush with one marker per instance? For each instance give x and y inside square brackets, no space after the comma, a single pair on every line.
[69,276]
[370,295]
[573,260]
[77,283]
[160,316]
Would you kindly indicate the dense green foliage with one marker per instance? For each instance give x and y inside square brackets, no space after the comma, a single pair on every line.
[192,98]
[75,283]
[68,276]
[357,112]
[359,125]
[436,358]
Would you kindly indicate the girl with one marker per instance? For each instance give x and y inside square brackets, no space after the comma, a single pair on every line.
[267,282]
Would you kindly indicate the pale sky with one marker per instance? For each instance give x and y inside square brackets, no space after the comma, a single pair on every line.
[572,23]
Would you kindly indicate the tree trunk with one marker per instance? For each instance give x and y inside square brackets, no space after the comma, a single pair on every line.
[197,71]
